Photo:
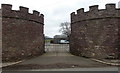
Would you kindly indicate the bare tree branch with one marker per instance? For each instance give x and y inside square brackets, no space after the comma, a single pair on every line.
[65,28]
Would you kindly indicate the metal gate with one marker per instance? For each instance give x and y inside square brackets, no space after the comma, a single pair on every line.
[56,48]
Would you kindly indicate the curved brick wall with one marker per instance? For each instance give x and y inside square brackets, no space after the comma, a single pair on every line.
[95,32]
[22,33]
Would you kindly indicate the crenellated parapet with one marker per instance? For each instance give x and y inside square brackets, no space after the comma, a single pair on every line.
[95,13]
[22,13]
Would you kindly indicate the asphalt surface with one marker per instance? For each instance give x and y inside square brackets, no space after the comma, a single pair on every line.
[57,57]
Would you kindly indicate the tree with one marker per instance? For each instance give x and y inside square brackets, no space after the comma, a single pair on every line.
[65,28]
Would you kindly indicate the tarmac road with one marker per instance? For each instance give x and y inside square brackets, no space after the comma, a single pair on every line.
[57,57]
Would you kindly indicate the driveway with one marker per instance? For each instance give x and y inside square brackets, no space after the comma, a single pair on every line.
[57,56]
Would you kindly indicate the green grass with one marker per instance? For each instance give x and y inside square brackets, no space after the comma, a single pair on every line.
[48,40]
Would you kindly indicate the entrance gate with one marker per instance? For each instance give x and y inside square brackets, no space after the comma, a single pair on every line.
[56,48]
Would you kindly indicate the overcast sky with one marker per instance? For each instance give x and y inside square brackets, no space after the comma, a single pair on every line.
[56,11]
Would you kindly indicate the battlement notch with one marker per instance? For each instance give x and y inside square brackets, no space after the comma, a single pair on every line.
[36,13]
[80,11]
[93,8]
[73,16]
[24,9]
[6,7]
[42,17]
[110,6]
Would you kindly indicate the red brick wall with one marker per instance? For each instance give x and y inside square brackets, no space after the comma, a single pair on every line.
[22,33]
[95,33]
